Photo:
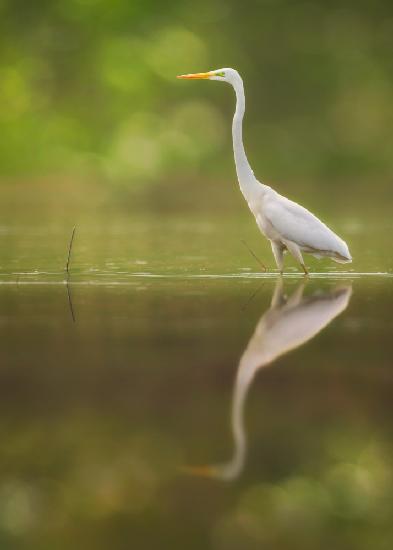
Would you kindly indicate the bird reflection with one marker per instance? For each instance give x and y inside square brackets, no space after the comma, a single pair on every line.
[285,326]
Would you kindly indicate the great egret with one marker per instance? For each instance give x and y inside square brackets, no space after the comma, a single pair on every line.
[287,225]
[286,325]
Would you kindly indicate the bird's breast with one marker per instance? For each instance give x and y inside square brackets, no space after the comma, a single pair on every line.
[266,227]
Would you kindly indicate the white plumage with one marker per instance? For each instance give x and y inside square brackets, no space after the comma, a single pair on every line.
[288,226]
[294,223]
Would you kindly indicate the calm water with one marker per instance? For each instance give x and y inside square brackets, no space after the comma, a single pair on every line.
[170,397]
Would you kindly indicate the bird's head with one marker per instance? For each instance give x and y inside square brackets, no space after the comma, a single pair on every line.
[223,75]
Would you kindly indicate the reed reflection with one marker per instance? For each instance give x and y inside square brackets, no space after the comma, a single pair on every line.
[286,325]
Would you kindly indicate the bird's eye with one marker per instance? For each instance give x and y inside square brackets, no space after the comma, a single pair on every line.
[222,74]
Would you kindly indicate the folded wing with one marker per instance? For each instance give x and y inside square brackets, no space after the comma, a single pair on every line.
[295,223]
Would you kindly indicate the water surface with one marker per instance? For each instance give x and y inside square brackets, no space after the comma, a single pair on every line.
[119,421]
[167,394]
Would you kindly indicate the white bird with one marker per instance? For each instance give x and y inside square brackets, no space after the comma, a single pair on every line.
[287,225]
[286,325]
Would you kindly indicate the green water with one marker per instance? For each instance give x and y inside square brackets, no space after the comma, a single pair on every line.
[172,396]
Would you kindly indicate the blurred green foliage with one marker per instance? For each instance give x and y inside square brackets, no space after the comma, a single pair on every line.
[88,87]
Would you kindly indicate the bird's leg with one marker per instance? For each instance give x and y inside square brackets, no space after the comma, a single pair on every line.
[278,253]
[306,271]
[278,298]
[296,253]
[297,296]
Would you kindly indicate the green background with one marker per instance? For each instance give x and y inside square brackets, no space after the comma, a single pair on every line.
[96,130]
[112,384]
[88,87]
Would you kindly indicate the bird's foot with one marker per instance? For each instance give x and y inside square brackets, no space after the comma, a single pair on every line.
[306,271]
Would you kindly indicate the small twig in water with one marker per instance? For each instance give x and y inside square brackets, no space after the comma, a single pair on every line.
[70,250]
[70,301]
[255,256]
[250,299]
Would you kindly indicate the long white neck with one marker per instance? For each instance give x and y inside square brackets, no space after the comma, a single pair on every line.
[249,185]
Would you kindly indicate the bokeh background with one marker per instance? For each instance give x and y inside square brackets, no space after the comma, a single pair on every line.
[88,89]
[110,385]
[93,120]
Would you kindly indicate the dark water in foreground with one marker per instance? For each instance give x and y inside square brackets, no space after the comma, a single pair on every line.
[178,412]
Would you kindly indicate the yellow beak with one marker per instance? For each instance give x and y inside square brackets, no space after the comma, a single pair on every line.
[196,75]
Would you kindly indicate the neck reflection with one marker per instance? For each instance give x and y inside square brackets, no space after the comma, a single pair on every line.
[286,325]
